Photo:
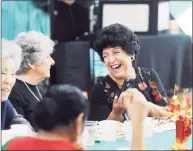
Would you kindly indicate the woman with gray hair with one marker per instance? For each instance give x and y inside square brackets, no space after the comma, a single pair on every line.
[34,68]
[11,59]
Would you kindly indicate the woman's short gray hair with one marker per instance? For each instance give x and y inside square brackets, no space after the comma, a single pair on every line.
[13,51]
[35,47]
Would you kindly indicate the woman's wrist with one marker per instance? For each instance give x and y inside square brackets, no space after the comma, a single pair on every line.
[137,135]
[115,116]
[117,113]
[158,111]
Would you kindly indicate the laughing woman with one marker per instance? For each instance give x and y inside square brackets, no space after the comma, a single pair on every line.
[34,68]
[118,47]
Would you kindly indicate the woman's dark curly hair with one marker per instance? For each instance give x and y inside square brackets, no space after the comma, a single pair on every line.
[117,35]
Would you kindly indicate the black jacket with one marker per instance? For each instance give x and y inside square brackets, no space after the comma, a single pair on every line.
[68,21]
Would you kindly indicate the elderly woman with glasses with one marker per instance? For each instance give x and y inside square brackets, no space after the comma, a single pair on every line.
[34,68]
[11,59]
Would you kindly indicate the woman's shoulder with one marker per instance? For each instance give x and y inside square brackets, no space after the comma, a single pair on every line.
[18,86]
[8,104]
[142,69]
[36,143]
[105,83]
[99,84]
[18,91]
[101,79]
[103,86]
[13,142]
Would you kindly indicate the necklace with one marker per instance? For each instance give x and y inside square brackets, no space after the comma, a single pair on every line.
[33,93]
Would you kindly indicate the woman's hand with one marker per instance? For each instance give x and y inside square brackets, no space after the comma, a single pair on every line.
[135,100]
[118,106]
[136,104]
[131,100]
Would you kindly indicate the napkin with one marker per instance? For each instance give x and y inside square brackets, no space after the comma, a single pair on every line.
[161,125]
[148,129]
[106,130]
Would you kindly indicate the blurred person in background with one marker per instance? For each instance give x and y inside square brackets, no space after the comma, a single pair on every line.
[70,20]
[11,59]
[34,68]
[61,117]
[118,48]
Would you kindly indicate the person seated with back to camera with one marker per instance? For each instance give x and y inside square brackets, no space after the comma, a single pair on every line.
[11,59]
[61,116]
[118,48]
[34,68]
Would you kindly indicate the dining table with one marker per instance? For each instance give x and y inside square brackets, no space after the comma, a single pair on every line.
[158,141]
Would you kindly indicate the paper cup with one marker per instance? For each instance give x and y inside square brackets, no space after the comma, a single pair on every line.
[90,132]
[107,130]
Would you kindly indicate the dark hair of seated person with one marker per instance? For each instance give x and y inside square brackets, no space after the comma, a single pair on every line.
[117,35]
[60,106]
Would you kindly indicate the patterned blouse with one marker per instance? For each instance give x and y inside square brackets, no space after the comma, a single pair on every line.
[147,82]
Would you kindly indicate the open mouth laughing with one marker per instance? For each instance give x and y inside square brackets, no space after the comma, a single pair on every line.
[116,67]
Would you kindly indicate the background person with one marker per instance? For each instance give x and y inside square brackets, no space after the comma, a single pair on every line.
[11,59]
[34,68]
